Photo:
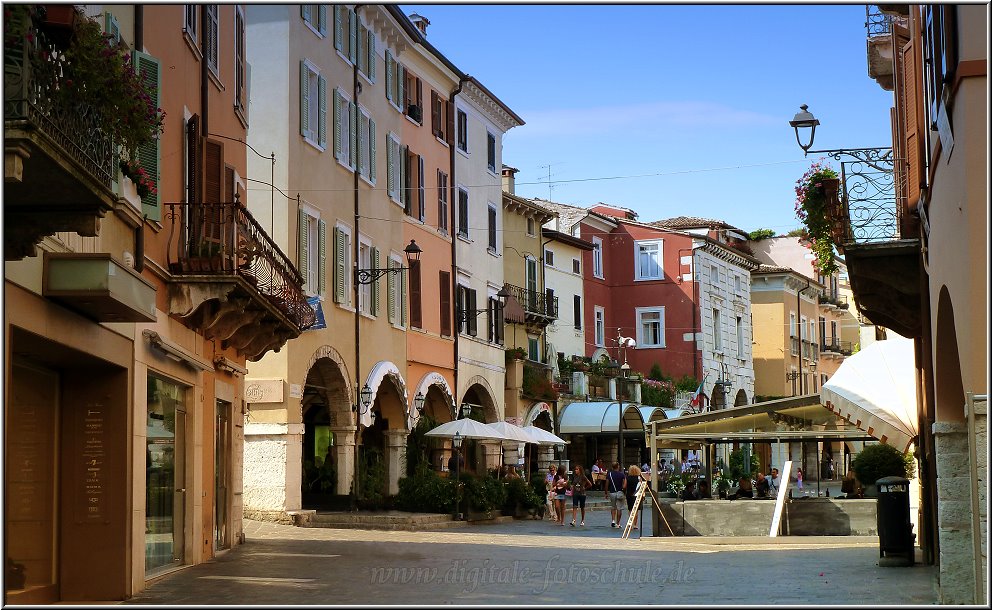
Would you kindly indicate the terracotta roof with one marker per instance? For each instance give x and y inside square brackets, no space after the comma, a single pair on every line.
[692,222]
[763,268]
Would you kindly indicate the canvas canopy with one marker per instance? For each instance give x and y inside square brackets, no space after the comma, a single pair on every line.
[600,418]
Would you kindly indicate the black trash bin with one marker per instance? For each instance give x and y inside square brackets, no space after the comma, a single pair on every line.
[895,531]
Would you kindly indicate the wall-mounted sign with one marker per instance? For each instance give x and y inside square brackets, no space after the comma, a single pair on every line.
[314,302]
[264,390]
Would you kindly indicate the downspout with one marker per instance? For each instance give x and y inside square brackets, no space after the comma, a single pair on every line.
[544,334]
[139,231]
[453,204]
[356,88]
[204,77]
[696,354]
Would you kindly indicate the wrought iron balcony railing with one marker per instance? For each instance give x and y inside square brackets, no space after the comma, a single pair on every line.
[534,302]
[35,72]
[835,345]
[876,22]
[222,239]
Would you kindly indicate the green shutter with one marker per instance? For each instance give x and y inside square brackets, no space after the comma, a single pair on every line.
[371,73]
[390,294]
[403,177]
[374,305]
[363,58]
[371,175]
[322,257]
[322,114]
[390,75]
[305,12]
[112,27]
[353,116]
[400,86]
[353,33]
[337,124]
[304,246]
[322,19]
[338,28]
[149,154]
[340,268]
[304,99]
[390,167]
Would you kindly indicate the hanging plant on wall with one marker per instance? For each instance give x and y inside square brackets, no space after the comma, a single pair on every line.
[811,209]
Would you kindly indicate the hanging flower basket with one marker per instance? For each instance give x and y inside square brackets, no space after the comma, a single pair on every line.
[816,191]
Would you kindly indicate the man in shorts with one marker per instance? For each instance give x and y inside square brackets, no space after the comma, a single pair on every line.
[616,484]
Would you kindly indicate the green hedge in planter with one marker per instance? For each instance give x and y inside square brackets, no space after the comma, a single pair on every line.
[426,492]
[880,460]
[520,494]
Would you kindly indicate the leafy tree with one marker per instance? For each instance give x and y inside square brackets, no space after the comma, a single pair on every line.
[759,234]
[655,372]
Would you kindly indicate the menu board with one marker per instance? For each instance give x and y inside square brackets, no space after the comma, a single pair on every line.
[92,465]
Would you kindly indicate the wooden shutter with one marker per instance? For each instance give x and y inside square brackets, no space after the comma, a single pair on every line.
[416,315]
[305,12]
[910,108]
[338,28]
[371,60]
[340,265]
[390,167]
[371,175]
[363,57]
[374,304]
[404,182]
[420,98]
[460,307]
[444,285]
[435,113]
[500,323]
[353,129]
[421,194]
[303,245]
[492,228]
[390,75]
[338,102]
[304,99]
[322,19]
[390,294]
[353,36]
[213,171]
[321,257]
[403,297]
[471,307]
[490,319]
[149,154]
[322,106]
[112,27]
[449,114]
[577,311]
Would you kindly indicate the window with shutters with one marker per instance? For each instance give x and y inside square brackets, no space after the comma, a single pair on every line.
[597,257]
[442,202]
[313,105]
[939,57]
[312,251]
[533,349]
[366,146]
[149,71]
[413,97]
[463,213]
[493,228]
[599,323]
[240,66]
[462,129]
[491,152]
[649,260]
[412,193]
[417,161]
[396,287]
[650,326]
[577,311]
[416,311]
[212,33]
[342,272]
[395,82]
[576,266]
[366,52]
[345,130]
[444,290]
[346,26]
[740,338]
[494,319]
[549,258]
[191,17]
[315,17]
[112,27]
[442,120]
[394,168]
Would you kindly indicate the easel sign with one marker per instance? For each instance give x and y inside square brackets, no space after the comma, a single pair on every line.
[780,499]
[642,488]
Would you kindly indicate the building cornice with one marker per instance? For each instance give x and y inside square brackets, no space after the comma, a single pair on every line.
[502,116]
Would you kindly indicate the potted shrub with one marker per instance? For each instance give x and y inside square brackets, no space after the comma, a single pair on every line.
[881,460]
[515,353]
[813,193]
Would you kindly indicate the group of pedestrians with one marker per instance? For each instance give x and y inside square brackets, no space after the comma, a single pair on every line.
[619,489]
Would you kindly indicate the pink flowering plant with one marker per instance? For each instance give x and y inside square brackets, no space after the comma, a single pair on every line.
[811,209]
[137,174]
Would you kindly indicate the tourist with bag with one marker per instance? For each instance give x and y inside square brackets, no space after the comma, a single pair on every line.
[580,483]
[560,489]
[616,486]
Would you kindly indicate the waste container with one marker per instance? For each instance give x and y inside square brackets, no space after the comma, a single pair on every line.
[895,531]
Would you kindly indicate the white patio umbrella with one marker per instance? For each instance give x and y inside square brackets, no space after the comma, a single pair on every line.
[512,432]
[543,437]
[467,428]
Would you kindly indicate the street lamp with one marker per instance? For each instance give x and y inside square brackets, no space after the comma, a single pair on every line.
[366,396]
[418,402]
[369,276]
[457,443]
[622,344]
[792,376]
[465,314]
[878,158]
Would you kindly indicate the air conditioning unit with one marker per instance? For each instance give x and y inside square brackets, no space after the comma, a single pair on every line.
[415,112]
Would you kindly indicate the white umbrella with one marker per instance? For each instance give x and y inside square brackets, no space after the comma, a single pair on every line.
[542,436]
[467,428]
[876,390]
[512,432]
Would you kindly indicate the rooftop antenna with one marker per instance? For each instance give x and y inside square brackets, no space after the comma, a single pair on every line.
[550,186]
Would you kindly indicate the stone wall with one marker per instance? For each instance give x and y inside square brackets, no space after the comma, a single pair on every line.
[805,517]
[954,524]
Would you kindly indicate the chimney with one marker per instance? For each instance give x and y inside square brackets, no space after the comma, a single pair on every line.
[509,178]
[421,22]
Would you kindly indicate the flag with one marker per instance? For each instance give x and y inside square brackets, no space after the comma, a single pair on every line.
[695,398]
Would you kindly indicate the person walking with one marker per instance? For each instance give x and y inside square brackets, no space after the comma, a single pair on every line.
[799,479]
[616,484]
[630,488]
[560,486]
[580,483]
[549,480]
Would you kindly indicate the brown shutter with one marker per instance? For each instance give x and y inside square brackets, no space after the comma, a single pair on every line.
[193,160]
[435,113]
[213,171]
[911,125]
[449,113]
[444,279]
[416,316]
[472,308]
[420,99]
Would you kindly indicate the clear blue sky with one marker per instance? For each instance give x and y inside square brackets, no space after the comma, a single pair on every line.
[701,94]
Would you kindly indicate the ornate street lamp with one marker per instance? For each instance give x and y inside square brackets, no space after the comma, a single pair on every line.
[418,402]
[878,158]
[465,314]
[457,443]
[369,276]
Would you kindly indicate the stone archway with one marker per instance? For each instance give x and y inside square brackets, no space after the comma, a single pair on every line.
[948,387]
[481,396]
[325,413]
[385,426]
[741,398]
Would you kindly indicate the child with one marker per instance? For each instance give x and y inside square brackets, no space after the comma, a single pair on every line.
[799,478]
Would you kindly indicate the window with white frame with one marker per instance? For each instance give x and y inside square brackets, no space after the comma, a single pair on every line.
[395,82]
[313,105]
[345,129]
[462,129]
[737,284]
[442,201]
[714,274]
[533,349]
[366,146]
[366,52]
[311,250]
[597,257]
[549,258]
[212,32]
[315,16]
[599,320]
[577,311]
[792,324]
[717,331]
[364,262]
[396,293]
[346,32]
[650,326]
[740,338]
[649,266]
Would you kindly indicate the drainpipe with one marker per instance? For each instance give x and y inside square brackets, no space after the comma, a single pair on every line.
[453,203]
[356,88]
[697,356]
[139,231]
[204,77]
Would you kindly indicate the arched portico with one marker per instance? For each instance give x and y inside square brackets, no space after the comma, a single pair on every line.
[439,402]
[382,441]
[326,458]
[480,394]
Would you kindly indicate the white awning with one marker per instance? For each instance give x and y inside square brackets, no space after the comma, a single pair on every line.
[599,418]
[875,389]
[650,414]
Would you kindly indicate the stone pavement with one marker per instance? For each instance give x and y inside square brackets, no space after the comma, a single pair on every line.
[536,563]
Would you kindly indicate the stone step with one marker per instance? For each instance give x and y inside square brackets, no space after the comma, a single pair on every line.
[446,522]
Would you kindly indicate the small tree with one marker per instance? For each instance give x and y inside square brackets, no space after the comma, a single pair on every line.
[655,373]
[759,234]
[881,460]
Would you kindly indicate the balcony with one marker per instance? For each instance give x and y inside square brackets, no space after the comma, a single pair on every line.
[59,163]
[230,280]
[837,347]
[530,307]
[872,222]
[880,51]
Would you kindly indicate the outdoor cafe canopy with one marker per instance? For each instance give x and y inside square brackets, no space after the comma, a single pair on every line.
[599,418]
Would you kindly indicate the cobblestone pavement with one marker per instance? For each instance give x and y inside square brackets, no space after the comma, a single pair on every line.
[536,563]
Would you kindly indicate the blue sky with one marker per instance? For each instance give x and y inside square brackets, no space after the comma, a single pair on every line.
[698,97]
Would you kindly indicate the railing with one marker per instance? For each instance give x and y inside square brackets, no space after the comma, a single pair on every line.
[534,302]
[837,346]
[870,198]
[36,75]
[223,239]
[876,22]
[564,384]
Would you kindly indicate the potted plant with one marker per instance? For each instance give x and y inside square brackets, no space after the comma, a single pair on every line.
[515,353]
[812,200]
[143,183]
[880,460]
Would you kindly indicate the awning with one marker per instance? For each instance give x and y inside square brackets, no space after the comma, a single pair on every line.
[599,418]
[650,414]
[875,390]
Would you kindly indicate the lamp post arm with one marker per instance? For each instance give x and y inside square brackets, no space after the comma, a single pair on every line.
[878,158]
